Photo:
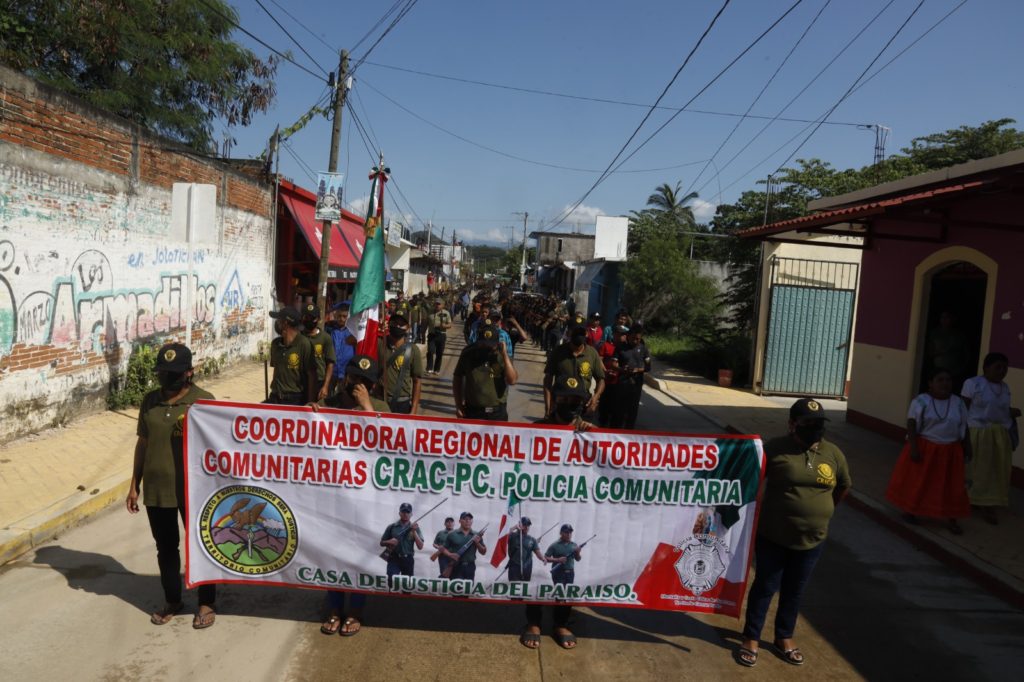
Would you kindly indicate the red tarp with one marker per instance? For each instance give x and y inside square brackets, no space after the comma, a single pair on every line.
[347,236]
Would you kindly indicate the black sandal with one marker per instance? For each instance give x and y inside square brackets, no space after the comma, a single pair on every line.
[531,640]
[792,656]
[166,614]
[747,657]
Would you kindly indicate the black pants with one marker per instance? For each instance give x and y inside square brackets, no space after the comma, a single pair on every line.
[496,414]
[443,563]
[464,572]
[516,575]
[562,613]
[625,405]
[606,407]
[401,407]
[163,522]
[435,350]
[286,399]
[400,565]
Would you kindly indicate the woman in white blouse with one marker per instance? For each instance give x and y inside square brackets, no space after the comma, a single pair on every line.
[928,479]
[989,418]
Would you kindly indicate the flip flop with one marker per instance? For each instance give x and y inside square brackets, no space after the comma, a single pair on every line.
[792,656]
[349,622]
[204,620]
[528,638]
[747,657]
[331,625]
[565,640]
[164,615]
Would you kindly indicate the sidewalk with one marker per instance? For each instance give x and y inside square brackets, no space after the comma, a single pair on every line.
[991,555]
[55,479]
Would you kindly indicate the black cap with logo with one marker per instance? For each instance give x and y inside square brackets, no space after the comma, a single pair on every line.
[287,314]
[363,366]
[174,357]
[807,408]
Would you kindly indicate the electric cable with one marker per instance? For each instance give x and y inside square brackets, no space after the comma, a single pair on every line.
[291,37]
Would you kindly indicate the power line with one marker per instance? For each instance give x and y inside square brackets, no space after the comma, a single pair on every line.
[377,25]
[302,164]
[853,85]
[259,40]
[507,154]
[792,100]
[599,100]
[394,22]
[757,98]
[369,125]
[290,36]
[305,28]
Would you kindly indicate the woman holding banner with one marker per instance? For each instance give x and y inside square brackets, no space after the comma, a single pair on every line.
[805,478]
[355,394]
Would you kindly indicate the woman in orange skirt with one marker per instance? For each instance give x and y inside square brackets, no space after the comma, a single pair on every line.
[928,479]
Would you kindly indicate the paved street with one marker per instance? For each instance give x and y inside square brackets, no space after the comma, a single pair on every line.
[876,609]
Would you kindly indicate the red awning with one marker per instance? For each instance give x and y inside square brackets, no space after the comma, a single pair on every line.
[347,237]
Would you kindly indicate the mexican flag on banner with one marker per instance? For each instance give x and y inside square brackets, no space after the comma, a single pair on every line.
[364,320]
[505,527]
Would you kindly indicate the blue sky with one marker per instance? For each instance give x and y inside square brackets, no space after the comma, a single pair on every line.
[963,72]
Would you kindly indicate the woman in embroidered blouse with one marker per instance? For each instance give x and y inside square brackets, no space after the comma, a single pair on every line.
[928,479]
[989,417]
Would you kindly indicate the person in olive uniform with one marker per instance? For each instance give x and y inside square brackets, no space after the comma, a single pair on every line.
[396,350]
[564,553]
[355,393]
[442,560]
[634,362]
[291,356]
[159,466]
[522,547]
[575,359]
[404,538]
[482,377]
[467,541]
[323,348]
[438,323]
[805,478]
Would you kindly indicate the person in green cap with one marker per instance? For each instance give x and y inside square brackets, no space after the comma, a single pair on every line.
[482,376]
[462,545]
[403,538]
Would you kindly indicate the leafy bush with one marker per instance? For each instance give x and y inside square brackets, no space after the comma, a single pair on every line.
[138,380]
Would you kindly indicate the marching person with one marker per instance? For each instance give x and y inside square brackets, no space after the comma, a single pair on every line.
[403,538]
[468,542]
[522,547]
[438,323]
[928,479]
[595,334]
[610,401]
[634,361]
[482,377]
[575,359]
[160,467]
[442,560]
[989,418]
[806,477]
[355,393]
[291,356]
[621,320]
[344,343]
[323,349]
[403,368]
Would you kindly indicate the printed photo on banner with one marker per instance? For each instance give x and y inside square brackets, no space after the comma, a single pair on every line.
[328,196]
[429,507]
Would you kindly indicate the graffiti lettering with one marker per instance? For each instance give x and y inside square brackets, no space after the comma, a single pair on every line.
[6,255]
[233,298]
[34,316]
[176,256]
[92,272]
[135,260]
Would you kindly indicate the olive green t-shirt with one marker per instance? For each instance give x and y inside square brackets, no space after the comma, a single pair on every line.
[561,549]
[520,549]
[290,363]
[586,366]
[395,358]
[439,321]
[323,352]
[440,537]
[798,503]
[484,379]
[455,541]
[162,425]
[406,541]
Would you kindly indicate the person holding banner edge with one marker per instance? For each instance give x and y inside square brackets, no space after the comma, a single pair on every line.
[159,467]
[355,393]
[806,477]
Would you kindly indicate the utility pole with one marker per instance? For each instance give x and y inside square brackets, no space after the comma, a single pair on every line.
[522,264]
[340,90]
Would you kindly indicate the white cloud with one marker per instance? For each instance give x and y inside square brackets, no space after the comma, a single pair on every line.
[583,215]
[358,206]
[703,211]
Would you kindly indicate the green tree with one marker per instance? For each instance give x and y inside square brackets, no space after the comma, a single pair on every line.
[666,200]
[169,65]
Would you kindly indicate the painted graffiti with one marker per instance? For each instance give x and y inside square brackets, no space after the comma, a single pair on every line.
[166,256]
[233,298]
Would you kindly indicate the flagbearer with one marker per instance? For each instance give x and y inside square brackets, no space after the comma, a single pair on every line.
[403,539]
[468,542]
[522,547]
[482,377]
[442,560]
[323,348]
[291,356]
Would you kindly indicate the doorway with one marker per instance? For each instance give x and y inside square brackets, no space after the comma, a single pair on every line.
[953,322]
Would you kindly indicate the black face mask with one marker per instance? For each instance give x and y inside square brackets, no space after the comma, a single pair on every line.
[578,340]
[397,334]
[809,434]
[567,412]
[172,382]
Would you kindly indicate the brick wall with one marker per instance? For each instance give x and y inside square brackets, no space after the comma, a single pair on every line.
[90,266]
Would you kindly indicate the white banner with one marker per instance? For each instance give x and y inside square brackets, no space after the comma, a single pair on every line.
[284,496]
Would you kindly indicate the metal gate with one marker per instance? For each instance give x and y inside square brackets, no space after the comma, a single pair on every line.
[810,319]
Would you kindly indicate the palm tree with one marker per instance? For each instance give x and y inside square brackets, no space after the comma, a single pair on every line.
[666,200]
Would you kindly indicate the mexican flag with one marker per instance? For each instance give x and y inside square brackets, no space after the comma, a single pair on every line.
[364,320]
[508,522]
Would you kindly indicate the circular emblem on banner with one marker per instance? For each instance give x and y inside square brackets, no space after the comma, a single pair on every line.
[700,565]
[364,363]
[248,530]
[293,361]
[169,355]
[584,369]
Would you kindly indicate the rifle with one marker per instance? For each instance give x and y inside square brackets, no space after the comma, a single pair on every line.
[388,551]
[462,550]
[559,567]
[538,540]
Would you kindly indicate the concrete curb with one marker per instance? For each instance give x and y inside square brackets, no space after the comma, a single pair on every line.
[43,526]
[991,578]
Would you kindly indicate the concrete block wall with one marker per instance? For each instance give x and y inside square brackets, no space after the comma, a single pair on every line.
[90,266]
